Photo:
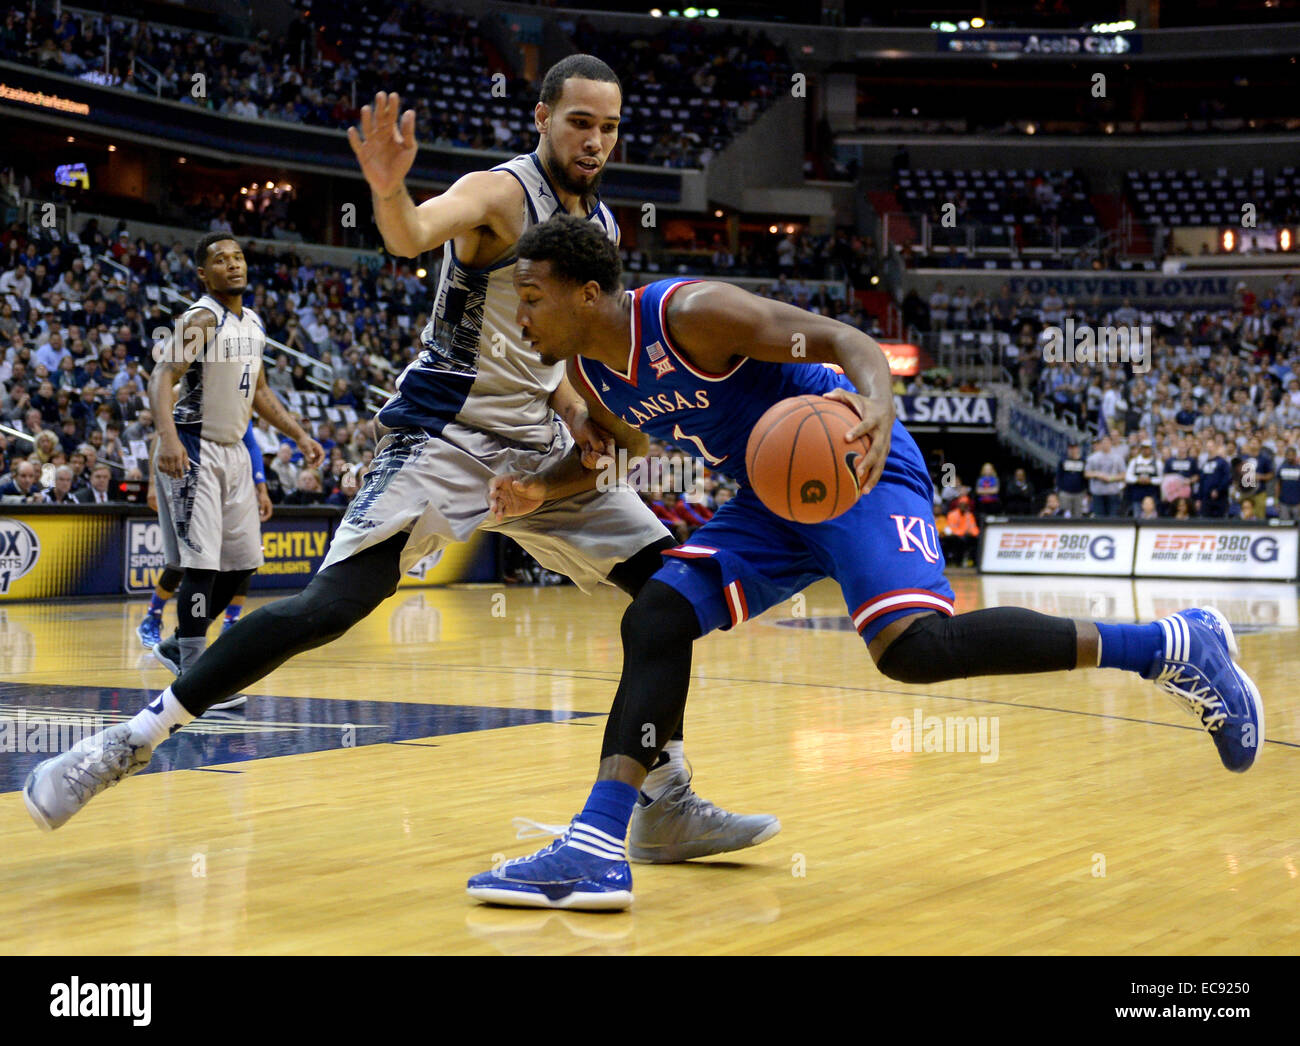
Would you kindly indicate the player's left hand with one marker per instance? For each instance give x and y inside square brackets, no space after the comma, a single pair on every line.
[877,425]
[312,452]
[515,495]
[264,507]
[592,440]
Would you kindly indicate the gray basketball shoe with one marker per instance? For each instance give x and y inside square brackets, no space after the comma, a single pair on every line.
[60,786]
[679,825]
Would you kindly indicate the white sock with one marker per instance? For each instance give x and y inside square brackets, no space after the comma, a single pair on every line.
[666,772]
[157,721]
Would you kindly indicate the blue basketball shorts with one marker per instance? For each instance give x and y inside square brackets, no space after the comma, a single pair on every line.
[884,552]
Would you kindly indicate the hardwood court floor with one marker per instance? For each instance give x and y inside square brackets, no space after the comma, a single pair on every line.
[371,777]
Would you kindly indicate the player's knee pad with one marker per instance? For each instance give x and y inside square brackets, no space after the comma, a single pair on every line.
[170,578]
[659,617]
[632,574]
[997,641]
[194,602]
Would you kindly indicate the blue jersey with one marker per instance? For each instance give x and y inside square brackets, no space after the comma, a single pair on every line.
[710,416]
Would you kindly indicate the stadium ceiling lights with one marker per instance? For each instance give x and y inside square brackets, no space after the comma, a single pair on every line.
[959,27]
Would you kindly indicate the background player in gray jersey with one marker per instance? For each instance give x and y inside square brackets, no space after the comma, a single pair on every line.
[471,407]
[212,503]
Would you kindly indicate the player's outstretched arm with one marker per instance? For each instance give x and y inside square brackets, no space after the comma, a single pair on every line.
[385,148]
[514,495]
[268,406]
[715,322]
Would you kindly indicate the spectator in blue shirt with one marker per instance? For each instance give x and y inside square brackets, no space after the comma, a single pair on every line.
[1070,482]
[1216,480]
[1288,485]
[1254,472]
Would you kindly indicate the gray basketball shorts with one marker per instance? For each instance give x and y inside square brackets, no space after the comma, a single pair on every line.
[212,509]
[436,487]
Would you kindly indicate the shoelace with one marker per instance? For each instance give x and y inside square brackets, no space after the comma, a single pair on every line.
[683,797]
[90,775]
[1179,682]
[527,828]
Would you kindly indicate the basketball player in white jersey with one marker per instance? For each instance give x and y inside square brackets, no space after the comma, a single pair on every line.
[478,402]
[207,490]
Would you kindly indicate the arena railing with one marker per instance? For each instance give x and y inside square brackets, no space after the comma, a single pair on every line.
[990,239]
[969,355]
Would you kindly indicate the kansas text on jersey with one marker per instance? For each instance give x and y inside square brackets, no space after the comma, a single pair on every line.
[710,416]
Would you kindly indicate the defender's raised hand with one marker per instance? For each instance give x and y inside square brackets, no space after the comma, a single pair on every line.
[388,148]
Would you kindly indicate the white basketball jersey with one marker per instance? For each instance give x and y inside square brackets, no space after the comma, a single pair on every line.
[217,390]
[475,368]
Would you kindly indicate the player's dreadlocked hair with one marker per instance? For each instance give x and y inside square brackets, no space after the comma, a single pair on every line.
[201,251]
[582,66]
[577,248]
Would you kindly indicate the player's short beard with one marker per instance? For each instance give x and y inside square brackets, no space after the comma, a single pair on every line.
[565,182]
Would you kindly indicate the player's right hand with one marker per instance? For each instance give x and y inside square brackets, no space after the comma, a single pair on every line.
[388,149]
[151,498]
[172,459]
[312,452]
[515,495]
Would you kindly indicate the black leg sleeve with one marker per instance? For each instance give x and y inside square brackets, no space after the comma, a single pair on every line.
[224,588]
[336,599]
[632,574]
[996,642]
[194,603]
[659,629]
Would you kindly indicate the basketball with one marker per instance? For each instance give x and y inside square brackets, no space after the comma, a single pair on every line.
[797,460]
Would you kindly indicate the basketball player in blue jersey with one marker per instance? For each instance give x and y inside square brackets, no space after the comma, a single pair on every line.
[475,403]
[696,364]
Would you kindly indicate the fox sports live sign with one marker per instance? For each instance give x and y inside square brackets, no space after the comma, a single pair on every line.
[1055,548]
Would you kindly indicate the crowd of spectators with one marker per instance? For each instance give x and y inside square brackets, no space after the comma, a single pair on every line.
[722,77]
[1207,427]
[842,256]
[1211,429]
[334,58]
[77,336]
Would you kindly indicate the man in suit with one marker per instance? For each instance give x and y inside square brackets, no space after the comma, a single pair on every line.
[98,493]
[22,484]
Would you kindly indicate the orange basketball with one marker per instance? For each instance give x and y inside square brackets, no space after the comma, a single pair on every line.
[797,460]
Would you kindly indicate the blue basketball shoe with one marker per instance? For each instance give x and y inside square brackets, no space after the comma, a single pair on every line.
[150,630]
[585,869]
[1196,668]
